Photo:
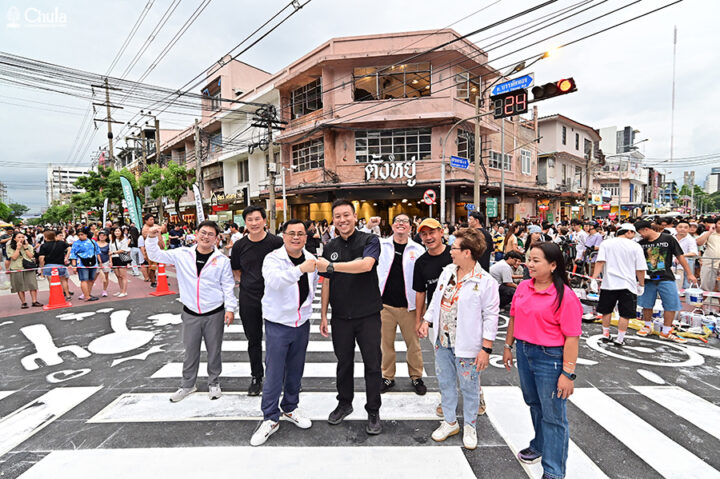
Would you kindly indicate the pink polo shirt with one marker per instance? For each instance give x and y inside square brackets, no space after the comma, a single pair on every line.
[536,320]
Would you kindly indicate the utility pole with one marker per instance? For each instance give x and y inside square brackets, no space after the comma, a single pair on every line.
[198,162]
[273,172]
[587,187]
[109,119]
[502,169]
[476,184]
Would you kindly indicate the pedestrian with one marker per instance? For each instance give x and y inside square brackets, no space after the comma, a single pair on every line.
[206,286]
[135,253]
[510,242]
[710,268]
[104,270]
[247,258]
[396,264]
[502,273]
[350,287]
[290,283]
[119,254]
[622,262]
[313,238]
[85,251]
[464,316]
[175,236]
[688,245]
[659,249]
[52,255]
[477,220]
[546,323]
[21,266]
[151,268]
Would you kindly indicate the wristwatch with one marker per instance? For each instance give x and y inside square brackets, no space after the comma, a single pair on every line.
[570,376]
[330,268]
[487,350]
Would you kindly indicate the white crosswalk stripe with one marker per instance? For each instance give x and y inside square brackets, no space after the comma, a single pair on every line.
[325,346]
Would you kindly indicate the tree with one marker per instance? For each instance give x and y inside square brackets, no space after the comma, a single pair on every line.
[101,184]
[56,214]
[18,209]
[6,213]
[172,181]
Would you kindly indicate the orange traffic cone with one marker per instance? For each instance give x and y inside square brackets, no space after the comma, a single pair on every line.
[57,298]
[162,284]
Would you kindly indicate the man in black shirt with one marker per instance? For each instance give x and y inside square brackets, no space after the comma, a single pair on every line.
[477,220]
[246,260]
[429,266]
[349,265]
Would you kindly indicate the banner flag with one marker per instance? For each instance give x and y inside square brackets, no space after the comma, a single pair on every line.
[104,212]
[198,205]
[129,199]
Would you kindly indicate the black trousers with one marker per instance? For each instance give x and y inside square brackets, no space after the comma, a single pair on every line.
[366,331]
[252,321]
[506,295]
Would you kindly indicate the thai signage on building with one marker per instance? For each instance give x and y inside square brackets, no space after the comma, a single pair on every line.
[378,169]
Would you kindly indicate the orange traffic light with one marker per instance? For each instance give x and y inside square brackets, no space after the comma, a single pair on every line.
[549,90]
[565,85]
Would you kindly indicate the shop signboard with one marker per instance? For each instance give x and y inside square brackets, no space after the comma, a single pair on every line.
[550,217]
[575,208]
[378,169]
[491,207]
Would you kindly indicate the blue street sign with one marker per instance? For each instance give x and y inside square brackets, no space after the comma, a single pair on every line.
[457,162]
[518,83]
[470,206]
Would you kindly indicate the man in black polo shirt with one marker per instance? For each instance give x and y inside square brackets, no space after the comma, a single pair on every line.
[477,220]
[246,260]
[349,265]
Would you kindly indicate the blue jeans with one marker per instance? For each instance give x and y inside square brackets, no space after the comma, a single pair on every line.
[691,263]
[451,370]
[539,369]
[285,349]
[668,292]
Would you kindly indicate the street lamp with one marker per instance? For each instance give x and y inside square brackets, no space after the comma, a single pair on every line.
[284,197]
[620,156]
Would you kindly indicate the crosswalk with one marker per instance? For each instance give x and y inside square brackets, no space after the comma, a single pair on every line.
[210,438]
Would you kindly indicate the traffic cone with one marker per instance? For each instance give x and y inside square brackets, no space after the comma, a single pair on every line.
[162,284]
[57,298]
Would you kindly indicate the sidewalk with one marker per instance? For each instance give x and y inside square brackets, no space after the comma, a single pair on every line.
[137,288]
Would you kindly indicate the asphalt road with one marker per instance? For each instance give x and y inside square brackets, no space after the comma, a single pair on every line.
[99,406]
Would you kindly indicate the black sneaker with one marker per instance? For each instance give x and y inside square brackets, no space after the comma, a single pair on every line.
[528,456]
[386,385]
[419,385]
[374,426]
[606,339]
[153,285]
[617,343]
[340,413]
[255,386]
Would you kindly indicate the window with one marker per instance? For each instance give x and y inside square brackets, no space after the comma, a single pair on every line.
[495,161]
[577,141]
[243,175]
[308,155]
[564,173]
[215,101]
[398,81]
[306,99]
[564,135]
[216,142]
[613,188]
[579,175]
[526,161]
[467,86]
[587,147]
[393,145]
[466,145]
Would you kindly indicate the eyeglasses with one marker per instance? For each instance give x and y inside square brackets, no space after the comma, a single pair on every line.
[295,234]
[405,222]
[205,233]
[456,248]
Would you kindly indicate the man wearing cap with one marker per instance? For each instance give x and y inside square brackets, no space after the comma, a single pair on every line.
[624,266]
[395,276]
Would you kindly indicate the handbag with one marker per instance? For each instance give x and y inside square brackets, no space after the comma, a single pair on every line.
[92,259]
[121,259]
[28,263]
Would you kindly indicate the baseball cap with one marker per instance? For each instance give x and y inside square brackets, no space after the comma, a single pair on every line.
[534,229]
[628,227]
[429,223]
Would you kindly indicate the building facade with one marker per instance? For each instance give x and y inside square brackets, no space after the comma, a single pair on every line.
[60,182]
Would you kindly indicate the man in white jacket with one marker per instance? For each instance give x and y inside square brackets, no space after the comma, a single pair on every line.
[395,277]
[206,285]
[290,281]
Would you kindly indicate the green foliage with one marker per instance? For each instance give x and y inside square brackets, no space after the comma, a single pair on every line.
[57,214]
[18,209]
[6,213]
[173,181]
[101,184]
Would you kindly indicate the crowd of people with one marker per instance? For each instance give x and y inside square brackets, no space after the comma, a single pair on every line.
[424,278]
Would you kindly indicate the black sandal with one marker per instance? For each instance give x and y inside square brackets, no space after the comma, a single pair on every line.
[24,306]
[36,304]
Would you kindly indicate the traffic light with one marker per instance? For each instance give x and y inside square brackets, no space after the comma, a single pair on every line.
[511,103]
[549,90]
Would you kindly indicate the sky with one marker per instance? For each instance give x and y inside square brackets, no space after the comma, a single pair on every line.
[624,76]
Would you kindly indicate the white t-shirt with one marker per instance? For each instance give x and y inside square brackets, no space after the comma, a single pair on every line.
[501,272]
[688,244]
[236,237]
[623,257]
[580,238]
[71,239]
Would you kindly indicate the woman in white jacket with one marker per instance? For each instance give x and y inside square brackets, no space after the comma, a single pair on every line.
[464,318]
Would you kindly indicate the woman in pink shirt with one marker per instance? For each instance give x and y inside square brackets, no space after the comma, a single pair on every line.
[545,319]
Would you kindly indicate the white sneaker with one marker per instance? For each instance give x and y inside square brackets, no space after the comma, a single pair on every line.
[117,294]
[182,393]
[122,295]
[469,437]
[266,429]
[214,391]
[445,431]
[296,417]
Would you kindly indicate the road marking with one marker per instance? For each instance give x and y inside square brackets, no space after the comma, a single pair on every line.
[35,415]
[156,407]
[238,328]
[300,462]
[4,394]
[511,417]
[242,370]
[660,452]
[685,404]
[325,346]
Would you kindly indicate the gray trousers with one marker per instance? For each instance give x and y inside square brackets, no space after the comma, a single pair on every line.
[195,329]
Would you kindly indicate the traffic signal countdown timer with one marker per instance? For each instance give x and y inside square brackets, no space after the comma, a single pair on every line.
[516,102]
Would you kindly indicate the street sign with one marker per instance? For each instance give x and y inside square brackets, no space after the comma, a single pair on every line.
[470,206]
[491,207]
[458,162]
[519,83]
[429,197]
